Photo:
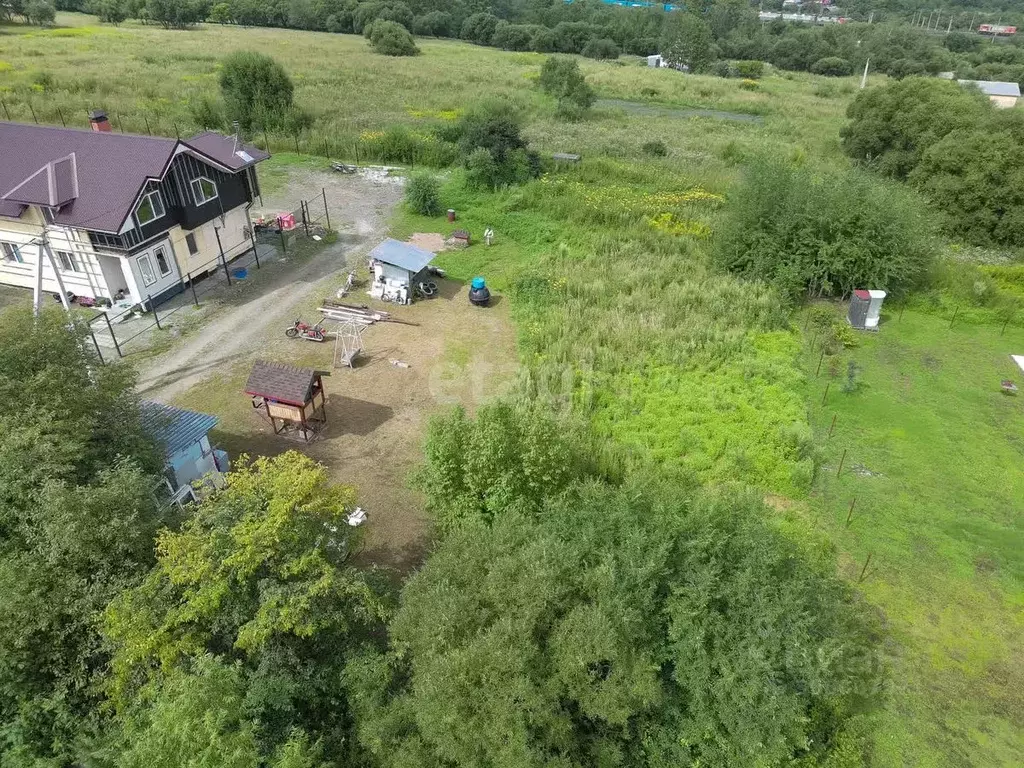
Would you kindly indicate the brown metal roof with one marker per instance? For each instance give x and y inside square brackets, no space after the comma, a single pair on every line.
[99,188]
[284,383]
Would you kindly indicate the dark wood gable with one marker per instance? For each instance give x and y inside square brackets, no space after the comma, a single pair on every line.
[233,190]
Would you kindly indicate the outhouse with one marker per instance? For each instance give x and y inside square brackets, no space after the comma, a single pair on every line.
[865,309]
[184,436]
[395,267]
[291,398]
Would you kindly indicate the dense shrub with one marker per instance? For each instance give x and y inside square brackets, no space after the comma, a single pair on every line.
[654,148]
[601,48]
[479,28]
[572,36]
[652,623]
[257,91]
[423,195]
[39,12]
[494,151]
[391,39]
[513,37]
[891,126]
[560,77]
[434,24]
[543,41]
[505,460]
[752,70]
[826,235]
[975,177]
[832,66]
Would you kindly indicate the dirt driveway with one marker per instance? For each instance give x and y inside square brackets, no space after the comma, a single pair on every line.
[376,413]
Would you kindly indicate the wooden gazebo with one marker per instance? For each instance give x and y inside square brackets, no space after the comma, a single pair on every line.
[291,398]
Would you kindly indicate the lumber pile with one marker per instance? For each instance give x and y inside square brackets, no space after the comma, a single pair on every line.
[343,313]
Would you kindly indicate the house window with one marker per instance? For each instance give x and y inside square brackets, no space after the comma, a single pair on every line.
[190,241]
[203,190]
[161,262]
[67,262]
[150,208]
[146,270]
[11,253]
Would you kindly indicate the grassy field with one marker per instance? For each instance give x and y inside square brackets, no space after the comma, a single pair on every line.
[621,317]
[933,460]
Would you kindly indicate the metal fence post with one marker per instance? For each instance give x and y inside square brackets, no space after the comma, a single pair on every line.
[223,260]
[192,285]
[152,308]
[305,216]
[327,214]
[284,244]
[255,250]
[97,345]
[113,338]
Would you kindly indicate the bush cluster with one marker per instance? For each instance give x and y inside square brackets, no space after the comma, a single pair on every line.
[826,234]
[560,77]
[967,163]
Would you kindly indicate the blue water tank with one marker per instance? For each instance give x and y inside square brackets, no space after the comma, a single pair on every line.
[478,283]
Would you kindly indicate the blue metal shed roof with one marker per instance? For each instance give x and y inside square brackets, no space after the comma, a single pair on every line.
[994,88]
[175,428]
[404,255]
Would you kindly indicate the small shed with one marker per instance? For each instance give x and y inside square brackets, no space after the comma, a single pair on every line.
[655,61]
[394,269]
[291,398]
[865,309]
[184,436]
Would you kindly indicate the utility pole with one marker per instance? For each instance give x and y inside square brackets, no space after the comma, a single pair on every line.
[950,27]
[864,77]
[45,252]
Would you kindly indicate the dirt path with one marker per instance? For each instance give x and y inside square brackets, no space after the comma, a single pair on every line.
[360,206]
[452,353]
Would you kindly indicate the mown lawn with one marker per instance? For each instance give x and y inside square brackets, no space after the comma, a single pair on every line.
[935,461]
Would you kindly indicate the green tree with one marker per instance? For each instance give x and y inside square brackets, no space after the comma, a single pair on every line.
[257,91]
[256,576]
[824,234]
[221,14]
[513,37]
[176,14]
[647,625]
[479,28]
[890,127]
[560,77]
[496,128]
[391,39]
[77,522]
[976,179]
[686,40]
[39,12]
[434,24]
[601,48]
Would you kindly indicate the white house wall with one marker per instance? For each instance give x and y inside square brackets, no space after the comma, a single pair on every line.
[88,280]
[163,282]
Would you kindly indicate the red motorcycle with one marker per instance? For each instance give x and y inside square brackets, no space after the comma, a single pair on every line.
[306,331]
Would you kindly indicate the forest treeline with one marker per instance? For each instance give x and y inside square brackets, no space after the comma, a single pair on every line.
[716,31]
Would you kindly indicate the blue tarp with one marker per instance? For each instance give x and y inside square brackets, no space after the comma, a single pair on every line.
[404,255]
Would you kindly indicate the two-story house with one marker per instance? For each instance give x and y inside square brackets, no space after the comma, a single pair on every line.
[121,212]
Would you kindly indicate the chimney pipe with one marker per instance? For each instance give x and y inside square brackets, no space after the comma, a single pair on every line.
[98,121]
[237,136]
